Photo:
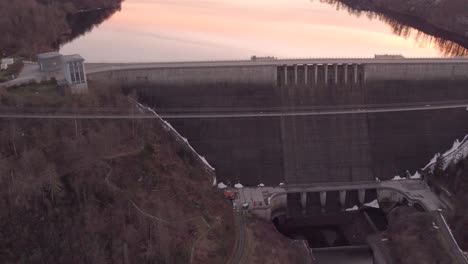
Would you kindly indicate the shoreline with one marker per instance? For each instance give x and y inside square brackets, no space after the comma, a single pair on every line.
[405,18]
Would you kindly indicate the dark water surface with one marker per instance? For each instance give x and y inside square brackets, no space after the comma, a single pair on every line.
[176,30]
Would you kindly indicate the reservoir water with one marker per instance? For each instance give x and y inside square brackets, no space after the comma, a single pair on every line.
[181,30]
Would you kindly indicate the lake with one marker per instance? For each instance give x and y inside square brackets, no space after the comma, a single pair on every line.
[181,30]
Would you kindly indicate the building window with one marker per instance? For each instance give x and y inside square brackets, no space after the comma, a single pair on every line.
[76,72]
[72,72]
[81,73]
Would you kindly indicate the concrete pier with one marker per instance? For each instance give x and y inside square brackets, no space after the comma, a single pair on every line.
[285,75]
[323,199]
[345,73]
[355,68]
[362,196]
[295,75]
[306,74]
[304,201]
[325,67]
[335,69]
[343,198]
[316,73]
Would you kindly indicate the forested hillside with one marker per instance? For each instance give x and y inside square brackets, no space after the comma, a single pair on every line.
[31,26]
[454,181]
[96,191]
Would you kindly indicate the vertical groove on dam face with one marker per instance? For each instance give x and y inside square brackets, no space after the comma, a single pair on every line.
[327,149]
[317,149]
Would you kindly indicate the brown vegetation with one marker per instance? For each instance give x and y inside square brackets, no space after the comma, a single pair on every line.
[414,239]
[12,71]
[455,180]
[443,23]
[33,26]
[87,191]
[266,245]
[128,191]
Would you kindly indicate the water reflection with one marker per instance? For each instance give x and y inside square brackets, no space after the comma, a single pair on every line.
[175,30]
[450,44]
[84,22]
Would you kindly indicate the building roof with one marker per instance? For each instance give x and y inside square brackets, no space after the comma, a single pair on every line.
[74,57]
[48,55]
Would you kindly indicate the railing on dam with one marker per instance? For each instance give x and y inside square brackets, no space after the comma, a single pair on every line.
[98,67]
[282,72]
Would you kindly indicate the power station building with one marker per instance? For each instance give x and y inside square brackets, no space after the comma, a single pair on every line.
[68,70]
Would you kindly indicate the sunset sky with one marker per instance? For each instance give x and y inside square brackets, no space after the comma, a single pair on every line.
[175,30]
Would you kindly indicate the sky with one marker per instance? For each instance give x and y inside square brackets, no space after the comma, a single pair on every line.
[181,30]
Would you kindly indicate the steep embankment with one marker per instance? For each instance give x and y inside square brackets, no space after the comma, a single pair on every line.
[414,237]
[454,182]
[111,191]
[95,191]
[266,245]
[32,26]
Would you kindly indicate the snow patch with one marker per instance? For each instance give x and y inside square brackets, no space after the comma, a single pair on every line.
[215,181]
[281,184]
[238,186]
[455,146]
[354,208]
[169,126]
[373,204]
[434,225]
[206,162]
[398,178]
[457,152]
[261,185]
[222,185]
[416,176]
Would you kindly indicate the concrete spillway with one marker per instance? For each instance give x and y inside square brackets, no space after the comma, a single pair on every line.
[308,149]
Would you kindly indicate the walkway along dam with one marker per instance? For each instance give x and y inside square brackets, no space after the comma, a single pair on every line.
[355,146]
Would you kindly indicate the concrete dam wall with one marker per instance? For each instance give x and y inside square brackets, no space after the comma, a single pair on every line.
[248,74]
[282,72]
[309,149]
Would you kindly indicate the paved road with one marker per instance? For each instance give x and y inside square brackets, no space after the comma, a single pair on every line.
[235,113]
[241,237]
[30,72]
[449,239]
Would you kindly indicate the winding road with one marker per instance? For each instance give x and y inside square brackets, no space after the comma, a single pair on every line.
[239,245]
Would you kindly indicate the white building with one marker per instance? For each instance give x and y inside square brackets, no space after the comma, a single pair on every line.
[75,73]
[69,70]
[6,62]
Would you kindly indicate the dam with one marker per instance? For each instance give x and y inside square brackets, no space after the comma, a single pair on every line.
[350,146]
